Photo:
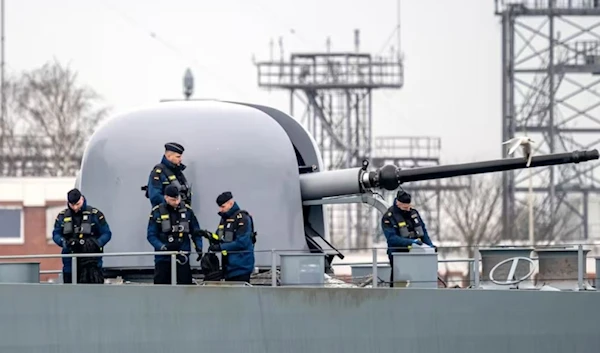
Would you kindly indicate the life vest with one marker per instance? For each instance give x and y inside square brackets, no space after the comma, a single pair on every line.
[173,232]
[402,227]
[185,190]
[228,227]
[84,230]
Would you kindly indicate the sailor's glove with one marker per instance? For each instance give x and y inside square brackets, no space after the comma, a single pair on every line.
[71,242]
[95,242]
[212,237]
[214,247]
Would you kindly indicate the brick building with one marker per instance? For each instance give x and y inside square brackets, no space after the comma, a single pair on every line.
[28,208]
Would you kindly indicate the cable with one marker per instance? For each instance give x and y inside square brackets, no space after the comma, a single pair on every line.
[186,57]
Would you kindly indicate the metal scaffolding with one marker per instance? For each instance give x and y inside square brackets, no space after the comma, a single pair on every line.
[335,89]
[412,152]
[550,63]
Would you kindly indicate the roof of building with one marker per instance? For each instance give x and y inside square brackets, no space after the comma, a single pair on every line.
[34,191]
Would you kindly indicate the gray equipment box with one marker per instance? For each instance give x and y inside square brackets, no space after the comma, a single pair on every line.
[416,270]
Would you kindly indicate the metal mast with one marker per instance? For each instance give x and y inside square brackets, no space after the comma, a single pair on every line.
[550,63]
[335,89]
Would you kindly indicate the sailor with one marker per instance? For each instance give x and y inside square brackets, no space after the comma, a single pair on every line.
[170,227]
[235,239]
[81,228]
[403,227]
[168,172]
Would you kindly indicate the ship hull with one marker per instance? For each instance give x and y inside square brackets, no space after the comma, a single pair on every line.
[148,319]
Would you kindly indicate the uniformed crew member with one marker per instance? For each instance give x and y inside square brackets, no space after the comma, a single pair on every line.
[403,226]
[170,227]
[236,238]
[168,172]
[81,228]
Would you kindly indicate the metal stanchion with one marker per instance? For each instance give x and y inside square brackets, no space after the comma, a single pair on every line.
[273,268]
[580,267]
[475,267]
[374,275]
[73,270]
[173,269]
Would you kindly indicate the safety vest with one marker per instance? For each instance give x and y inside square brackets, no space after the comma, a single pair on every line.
[402,227]
[84,230]
[182,185]
[228,227]
[174,231]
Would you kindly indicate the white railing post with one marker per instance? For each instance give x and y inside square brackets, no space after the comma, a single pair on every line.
[273,268]
[580,266]
[475,267]
[73,270]
[173,269]
[374,274]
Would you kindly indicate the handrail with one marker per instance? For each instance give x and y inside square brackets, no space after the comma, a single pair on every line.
[173,254]
[108,254]
[176,257]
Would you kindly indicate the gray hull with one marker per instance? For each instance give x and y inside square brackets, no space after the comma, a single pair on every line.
[157,319]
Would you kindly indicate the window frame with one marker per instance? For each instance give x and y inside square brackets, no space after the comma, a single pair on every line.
[20,240]
[50,218]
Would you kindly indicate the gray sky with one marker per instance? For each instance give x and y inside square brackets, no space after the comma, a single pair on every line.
[135,52]
[452,54]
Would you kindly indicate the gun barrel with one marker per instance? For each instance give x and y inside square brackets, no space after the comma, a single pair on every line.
[498,165]
[358,180]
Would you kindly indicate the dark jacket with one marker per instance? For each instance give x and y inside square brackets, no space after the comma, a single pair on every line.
[100,231]
[155,231]
[157,182]
[391,229]
[240,252]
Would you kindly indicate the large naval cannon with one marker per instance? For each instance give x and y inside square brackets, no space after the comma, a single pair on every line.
[263,156]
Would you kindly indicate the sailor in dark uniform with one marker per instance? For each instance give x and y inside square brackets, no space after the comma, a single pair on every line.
[170,227]
[168,172]
[235,239]
[81,228]
[403,227]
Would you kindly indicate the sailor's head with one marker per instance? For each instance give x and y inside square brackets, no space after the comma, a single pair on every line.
[403,200]
[225,201]
[75,200]
[173,152]
[172,196]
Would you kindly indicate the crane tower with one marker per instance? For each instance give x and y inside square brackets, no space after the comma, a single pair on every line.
[550,75]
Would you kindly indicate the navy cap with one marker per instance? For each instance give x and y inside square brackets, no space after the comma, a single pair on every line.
[403,196]
[73,196]
[172,191]
[174,147]
[224,197]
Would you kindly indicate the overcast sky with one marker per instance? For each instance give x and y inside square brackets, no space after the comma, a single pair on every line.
[135,52]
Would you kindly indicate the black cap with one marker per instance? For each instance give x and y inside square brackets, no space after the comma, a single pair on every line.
[403,196]
[172,191]
[73,196]
[174,147]
[224,197]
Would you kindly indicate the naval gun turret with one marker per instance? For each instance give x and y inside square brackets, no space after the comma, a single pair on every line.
[263,156]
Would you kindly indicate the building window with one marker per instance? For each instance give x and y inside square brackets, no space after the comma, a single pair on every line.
[11,221]
[51,213]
